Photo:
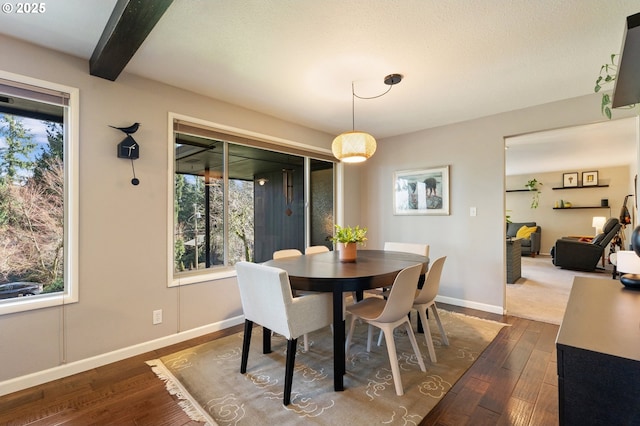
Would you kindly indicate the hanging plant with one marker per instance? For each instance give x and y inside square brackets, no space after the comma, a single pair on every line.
[608,74]
[532,185]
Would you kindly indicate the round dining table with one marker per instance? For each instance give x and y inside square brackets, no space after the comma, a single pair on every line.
[324,272]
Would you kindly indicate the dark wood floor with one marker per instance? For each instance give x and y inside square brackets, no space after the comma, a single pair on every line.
[513,383]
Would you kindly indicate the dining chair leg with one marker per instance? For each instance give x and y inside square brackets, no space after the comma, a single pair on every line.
[393,359]
[445,339]
[422,311]
[246,341]
[292,345]
[369,337]
[416,348]
[266,340]
[349,336]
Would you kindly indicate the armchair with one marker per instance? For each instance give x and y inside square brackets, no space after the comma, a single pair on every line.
[584,256]
[531,245]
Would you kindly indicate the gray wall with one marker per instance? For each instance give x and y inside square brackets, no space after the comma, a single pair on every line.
[473,275]
[123,228]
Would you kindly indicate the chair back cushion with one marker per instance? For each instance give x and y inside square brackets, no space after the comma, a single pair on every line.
[609,225]
[431,285]
[421,249]
[402,295]
[280,254]
[266,295]
[316,249]
[609,231]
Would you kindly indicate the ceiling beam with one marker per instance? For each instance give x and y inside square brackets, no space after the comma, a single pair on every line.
[627,87]
[129,25]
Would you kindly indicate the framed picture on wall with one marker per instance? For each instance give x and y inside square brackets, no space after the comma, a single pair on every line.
[570,180]
[589,178]
[421,191]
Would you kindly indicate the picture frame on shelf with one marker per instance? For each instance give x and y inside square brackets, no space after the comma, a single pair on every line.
[421,191]
[590,178]
[570,180]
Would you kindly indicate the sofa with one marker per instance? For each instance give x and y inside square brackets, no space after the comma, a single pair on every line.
[530,245]
[569,253]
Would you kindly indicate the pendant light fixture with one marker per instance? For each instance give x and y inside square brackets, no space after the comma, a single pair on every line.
[357,146]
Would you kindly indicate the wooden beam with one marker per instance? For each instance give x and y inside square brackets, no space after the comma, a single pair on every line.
[627,87]
[129,25]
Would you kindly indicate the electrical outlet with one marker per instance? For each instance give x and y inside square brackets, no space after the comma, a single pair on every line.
[157,316]
[472,211]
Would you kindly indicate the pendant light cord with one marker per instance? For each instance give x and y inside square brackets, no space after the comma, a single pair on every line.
[353,108]
[391,83]
[372,97]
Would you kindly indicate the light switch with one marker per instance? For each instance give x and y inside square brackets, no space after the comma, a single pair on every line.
[472,211]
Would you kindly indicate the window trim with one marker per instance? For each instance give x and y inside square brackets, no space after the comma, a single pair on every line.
[240,135]
[71,201]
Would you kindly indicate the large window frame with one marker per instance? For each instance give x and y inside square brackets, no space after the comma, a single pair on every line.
[71,196]
[233,135]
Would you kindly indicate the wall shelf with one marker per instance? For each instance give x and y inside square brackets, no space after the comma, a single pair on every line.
[581,187]
[521,190]
[581,207]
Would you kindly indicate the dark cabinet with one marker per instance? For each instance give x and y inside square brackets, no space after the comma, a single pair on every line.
[598,354]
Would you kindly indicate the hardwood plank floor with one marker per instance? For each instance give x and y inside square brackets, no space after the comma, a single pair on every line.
[513,382]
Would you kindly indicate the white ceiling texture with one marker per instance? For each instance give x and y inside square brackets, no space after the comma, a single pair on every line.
[297,59]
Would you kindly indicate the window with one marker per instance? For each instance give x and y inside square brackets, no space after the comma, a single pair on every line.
[38,199]
[237,198]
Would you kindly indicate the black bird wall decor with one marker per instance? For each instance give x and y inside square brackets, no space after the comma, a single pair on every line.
[128,130]
[129,148]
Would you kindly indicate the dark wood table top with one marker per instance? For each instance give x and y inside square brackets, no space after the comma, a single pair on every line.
[321,271]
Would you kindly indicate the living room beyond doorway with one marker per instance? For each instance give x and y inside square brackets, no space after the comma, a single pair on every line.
[542,292]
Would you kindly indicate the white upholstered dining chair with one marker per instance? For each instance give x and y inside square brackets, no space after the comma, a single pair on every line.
[316,249]
[280,254]
[267,300]
[421,249]
[388,315]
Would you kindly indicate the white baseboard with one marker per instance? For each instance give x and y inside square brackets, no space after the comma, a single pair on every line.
[44,376]
[470,304]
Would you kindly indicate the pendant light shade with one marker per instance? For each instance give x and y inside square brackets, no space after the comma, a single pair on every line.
[353,147]
[356,146]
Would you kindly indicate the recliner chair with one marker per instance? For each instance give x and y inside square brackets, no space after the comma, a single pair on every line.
[584,256]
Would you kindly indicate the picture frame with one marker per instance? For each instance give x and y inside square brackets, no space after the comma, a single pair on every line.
[570,180]
[590,178]
[421,191]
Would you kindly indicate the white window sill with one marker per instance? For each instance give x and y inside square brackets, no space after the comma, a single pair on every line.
[29,303]
[203,276]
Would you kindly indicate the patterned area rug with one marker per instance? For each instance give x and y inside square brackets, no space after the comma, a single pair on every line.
[207,377]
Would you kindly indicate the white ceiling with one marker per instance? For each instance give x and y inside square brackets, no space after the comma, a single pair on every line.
[297,59]
[592,146]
